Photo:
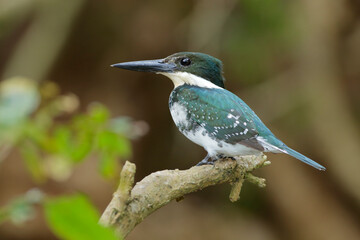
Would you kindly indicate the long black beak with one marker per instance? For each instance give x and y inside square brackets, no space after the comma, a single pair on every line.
[158,65]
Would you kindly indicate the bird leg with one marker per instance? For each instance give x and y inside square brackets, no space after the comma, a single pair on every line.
[210,160]
[206,161]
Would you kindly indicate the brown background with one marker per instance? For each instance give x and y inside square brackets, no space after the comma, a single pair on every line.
[296,63]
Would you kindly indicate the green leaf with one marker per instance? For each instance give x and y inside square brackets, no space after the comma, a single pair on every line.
[108,165]
[36,133]
[82,144]
[113,143]
[111,147]
[123,147]
[62,138]
[72,144]
[81,149]
[98,113]
[33,161]
[75,218]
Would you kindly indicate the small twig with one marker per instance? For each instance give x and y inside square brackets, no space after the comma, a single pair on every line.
[121,196]
[235,190]
[260,182]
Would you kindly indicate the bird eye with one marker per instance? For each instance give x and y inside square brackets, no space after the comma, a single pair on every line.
[185,61]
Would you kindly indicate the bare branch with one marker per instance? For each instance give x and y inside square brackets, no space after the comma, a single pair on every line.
[129,208]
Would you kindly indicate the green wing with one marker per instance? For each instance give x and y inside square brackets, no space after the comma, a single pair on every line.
[225,116]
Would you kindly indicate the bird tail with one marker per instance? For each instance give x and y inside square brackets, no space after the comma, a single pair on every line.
[272,144]
[302,158]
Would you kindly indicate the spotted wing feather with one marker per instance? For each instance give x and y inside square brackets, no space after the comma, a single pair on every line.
[221,114]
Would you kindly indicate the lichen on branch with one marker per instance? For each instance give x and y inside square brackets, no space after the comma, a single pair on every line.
[130,205]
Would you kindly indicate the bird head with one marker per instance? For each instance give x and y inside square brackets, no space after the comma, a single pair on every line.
[191,68]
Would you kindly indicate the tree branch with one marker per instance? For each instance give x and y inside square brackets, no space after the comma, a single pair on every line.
[129,206]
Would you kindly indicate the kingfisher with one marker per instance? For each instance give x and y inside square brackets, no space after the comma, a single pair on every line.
[208,114]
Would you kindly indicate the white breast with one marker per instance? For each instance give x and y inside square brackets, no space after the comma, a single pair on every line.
[179,113]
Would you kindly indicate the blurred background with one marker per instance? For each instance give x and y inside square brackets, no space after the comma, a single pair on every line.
[68,121]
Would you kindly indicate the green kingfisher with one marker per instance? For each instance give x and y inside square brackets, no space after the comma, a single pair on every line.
[208,114]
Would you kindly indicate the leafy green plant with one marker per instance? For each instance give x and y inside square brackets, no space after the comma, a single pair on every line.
[32,120]
[52,137]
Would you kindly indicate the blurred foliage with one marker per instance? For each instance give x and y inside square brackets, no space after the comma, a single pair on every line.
[50,147]
[278,55]
[21,209]
[52,137]
[75,218]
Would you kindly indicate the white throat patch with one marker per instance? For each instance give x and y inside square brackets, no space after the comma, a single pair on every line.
[180,78]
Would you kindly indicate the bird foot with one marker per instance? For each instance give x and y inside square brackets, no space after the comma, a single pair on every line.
[211,160]
[206,161]
[222,156]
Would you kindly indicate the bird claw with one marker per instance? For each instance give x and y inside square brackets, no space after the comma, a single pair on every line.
[222,156]
[206,161]
[211,160]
